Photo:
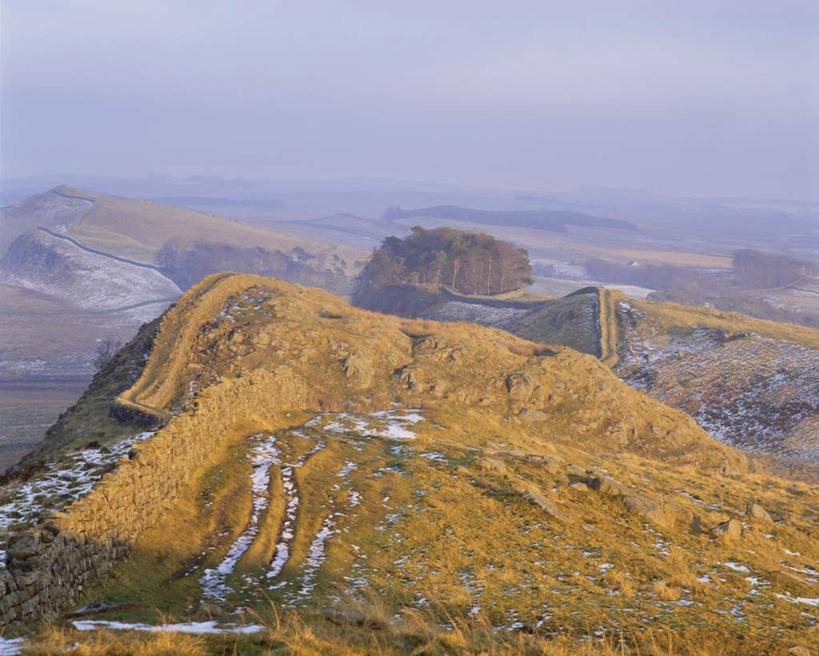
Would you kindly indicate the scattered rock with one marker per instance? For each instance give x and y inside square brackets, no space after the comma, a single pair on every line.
[678,513]
[755,511]
[580,487]
[730,529]
[645,506]
[574,470]
[610,486]
[537,498]
[799,650]
[492,464]
[552,463]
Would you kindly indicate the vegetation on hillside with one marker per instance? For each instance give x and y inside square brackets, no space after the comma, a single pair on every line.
[539,507]
[187,262]
[467,262]
[732,290]
[757,270]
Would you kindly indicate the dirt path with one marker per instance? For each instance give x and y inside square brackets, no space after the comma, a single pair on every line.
[608,328]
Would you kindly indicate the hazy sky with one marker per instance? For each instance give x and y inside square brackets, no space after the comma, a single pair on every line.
[696,96]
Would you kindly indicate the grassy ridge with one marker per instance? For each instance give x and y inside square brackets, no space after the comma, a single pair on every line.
[138,229]
[493,505]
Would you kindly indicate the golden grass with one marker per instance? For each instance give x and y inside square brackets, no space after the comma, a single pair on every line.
[138,229]
[668,257]
[458,535]
[671,315]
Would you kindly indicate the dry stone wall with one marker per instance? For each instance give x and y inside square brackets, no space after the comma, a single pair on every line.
[49,566]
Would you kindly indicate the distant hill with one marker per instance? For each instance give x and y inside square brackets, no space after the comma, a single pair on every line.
[551,220]
[112,263]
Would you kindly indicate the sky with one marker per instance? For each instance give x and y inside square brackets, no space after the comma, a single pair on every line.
[702,97]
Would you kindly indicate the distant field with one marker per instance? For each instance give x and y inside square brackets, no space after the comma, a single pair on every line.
[27,409]
[669,257]
[563,286]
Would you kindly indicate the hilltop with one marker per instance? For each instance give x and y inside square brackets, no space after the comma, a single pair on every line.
[749,382]
[393,485]
[80,268]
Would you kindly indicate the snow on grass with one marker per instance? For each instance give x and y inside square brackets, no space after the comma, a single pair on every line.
[736,567]
[800,600]
[68,479]
[183,627]
[287,533]
[10,646]
[262,456]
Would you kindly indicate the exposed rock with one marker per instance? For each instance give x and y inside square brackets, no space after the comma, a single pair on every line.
[799,650]
[539,499]
[755,511]
[678,513]
[553,463]
[574,470]
[609,486]
[492,464]
[646,507]
[730,529]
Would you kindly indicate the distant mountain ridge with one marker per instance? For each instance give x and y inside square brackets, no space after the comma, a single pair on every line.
[551,220]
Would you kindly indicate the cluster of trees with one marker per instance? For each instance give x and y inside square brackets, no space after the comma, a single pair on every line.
[466,262]
[654,276]
[186,263]
[758,270]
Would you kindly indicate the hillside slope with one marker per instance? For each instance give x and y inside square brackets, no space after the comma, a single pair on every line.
[750,383]
[137,229]
[80,267]
[402,485]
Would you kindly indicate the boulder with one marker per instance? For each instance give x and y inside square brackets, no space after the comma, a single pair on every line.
[538,499]
[646,507]
[730,529]
[553,463]
[678,513]
[799,650]
[755,511]
[610,486]
[492,464]
[579,486]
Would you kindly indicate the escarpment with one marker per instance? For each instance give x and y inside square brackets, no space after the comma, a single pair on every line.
[239,354]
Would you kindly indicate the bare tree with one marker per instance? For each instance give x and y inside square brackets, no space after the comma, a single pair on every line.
[105,352]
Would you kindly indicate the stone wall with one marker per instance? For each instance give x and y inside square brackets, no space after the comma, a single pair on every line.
[49,566]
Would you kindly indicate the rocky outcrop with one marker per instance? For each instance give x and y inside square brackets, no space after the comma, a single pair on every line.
[239,352]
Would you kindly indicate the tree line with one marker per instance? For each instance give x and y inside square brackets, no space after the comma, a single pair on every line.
[758,270]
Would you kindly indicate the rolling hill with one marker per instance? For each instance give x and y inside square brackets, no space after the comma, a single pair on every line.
[750,383]
[286,472]
[81,267]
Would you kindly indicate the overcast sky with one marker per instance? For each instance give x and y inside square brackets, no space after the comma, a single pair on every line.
[704,97]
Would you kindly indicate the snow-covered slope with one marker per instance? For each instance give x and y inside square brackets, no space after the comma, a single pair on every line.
[58,267]
[754,391]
